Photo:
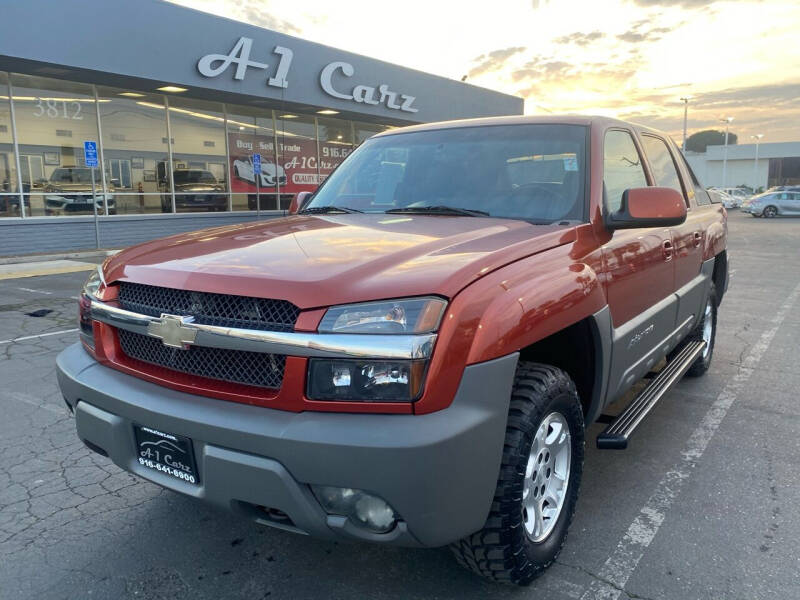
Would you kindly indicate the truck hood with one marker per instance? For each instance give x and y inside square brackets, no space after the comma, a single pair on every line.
[316,261]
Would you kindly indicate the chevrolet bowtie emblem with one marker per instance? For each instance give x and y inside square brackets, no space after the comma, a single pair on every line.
[172,331]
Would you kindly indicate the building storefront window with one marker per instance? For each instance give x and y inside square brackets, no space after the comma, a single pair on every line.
[199,159]
[251,132]
[363,131]
[297,153]
[335,143]
[210,147]
[134,142]
[53,119]
[9,198]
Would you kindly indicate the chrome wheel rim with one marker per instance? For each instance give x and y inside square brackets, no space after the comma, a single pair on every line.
[770,212]
[708,325]
[546,477]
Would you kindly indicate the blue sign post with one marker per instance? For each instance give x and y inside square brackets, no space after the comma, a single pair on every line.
[257,177]
[90,153]
[90,158]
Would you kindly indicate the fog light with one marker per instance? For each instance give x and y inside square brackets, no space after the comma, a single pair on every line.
[365,510]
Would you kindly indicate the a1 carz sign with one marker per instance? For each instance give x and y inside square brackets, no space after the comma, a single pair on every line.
[370,93]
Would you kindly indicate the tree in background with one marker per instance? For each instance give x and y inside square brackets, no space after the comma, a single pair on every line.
[697,142]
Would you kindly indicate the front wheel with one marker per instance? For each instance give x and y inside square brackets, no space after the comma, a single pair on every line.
[770,212]
[539,479]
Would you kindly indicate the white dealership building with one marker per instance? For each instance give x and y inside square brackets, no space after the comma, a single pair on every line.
[184,109]
[770,164]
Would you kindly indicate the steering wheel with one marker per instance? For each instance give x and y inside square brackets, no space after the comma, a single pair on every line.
[541,199]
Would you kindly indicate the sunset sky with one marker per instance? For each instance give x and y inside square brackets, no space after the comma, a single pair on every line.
[632,59]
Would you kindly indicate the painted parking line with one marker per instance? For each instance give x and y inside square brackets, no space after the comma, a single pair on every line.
[619,567]
[33,291]
[40,335]
[32,401]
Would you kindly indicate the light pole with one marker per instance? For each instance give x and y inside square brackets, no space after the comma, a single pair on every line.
[757,137]
[685,101]
[727,121]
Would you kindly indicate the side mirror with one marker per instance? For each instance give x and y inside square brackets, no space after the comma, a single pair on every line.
[299,201]
[648,207]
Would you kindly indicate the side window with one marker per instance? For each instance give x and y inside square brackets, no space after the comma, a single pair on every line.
[701,196]
[664,171]
[622,167]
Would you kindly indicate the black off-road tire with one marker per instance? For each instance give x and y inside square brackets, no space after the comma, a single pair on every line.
[502,550]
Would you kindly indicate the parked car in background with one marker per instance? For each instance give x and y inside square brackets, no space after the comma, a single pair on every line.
[271,174]
[723,198]
[784,188]
[69,191]
[195,189]
[773,204]
[738,194]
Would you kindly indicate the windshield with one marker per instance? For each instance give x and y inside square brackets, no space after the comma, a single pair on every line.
[74,175]
[194,176]
[533,172]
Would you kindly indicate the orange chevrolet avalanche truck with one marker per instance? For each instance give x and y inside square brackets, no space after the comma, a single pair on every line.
[413,355]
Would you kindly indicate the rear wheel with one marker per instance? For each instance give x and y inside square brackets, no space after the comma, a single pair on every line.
[705,331]
[770,212]
[539,479]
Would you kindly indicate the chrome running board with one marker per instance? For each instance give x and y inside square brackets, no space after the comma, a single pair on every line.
[616,435]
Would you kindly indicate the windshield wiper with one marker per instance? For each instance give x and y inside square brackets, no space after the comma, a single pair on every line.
[321,210]
[439,210]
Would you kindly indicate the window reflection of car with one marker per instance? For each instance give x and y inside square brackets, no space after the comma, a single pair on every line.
[271,174]
[195,189]
[69,190]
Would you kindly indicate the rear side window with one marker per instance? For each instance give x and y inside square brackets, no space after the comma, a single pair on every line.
[664,171]
[701,196]
[622,167]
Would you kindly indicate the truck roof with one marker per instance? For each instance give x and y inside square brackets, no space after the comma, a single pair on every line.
[585,120]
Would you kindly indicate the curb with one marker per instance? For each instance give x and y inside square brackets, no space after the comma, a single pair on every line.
[34,258]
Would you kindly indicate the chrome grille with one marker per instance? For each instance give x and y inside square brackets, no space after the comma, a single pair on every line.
[223,310]
[237,366]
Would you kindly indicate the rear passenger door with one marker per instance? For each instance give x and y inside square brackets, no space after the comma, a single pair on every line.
[788,203]
[794,203]
[690,284]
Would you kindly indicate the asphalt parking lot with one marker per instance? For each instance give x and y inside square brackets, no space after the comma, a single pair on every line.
[704,504]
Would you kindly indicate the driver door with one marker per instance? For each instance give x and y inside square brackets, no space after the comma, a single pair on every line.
[639,272]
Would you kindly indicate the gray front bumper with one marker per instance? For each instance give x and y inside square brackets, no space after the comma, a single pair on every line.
[438,471]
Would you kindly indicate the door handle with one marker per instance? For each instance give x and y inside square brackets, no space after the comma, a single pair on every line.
[698,239]
[666,246]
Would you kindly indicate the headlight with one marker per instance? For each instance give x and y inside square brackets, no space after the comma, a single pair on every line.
[92,285]
[374,380]
[403,316]
[357,380]
[90,290]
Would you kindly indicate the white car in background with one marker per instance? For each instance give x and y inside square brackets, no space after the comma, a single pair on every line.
[724,198]
[243,169]
[739,195]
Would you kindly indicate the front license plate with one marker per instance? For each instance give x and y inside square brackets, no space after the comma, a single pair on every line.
[165,452]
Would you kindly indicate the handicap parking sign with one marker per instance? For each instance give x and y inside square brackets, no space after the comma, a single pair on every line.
[90,153]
